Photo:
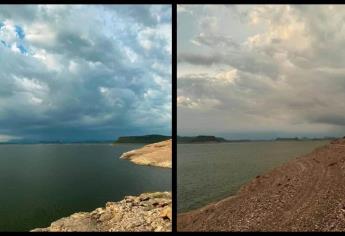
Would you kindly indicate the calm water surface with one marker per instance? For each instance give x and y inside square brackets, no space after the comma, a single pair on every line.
[42,183]
[210,172]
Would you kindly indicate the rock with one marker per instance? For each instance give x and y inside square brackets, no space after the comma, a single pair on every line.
[105,217]
[120,216]
[166,213]
[159,229]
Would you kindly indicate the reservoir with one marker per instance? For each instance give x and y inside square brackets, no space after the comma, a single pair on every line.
[210,172]
[44,182]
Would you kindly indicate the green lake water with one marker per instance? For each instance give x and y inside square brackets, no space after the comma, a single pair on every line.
[44,182]
[211,172]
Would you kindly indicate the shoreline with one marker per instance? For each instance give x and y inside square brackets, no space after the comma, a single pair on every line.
[147,212]
[304,194]
[256,141]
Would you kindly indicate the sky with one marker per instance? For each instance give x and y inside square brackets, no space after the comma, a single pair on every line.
[84,72]
[261,71]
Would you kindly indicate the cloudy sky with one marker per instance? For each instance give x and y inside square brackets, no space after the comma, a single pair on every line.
[261,71]
[84,72]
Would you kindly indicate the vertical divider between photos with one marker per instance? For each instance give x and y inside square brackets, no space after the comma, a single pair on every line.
[174,115]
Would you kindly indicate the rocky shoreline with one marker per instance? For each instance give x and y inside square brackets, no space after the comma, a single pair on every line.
[305,194]
[156,154]
[146,212]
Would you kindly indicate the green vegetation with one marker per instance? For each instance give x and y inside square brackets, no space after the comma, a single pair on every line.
[154,138]
[200,139]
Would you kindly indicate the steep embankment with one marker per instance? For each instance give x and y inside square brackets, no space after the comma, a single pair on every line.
[147,212]
[156,154]
[305,194]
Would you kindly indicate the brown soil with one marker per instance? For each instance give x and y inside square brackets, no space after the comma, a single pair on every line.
[305,194]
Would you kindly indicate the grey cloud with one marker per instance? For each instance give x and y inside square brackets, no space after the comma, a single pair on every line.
[82,84]
[197,59]
[329,119]
[242,60]
[288,79]
[142,14]
[23,13]
[216,41]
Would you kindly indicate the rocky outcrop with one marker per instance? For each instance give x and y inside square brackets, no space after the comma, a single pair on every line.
[147,212]
[156,154]
[305,194]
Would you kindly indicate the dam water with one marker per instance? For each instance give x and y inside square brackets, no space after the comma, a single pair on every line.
[44,182]
[210,172]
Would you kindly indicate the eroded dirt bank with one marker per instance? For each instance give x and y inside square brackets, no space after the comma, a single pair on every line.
[305,194]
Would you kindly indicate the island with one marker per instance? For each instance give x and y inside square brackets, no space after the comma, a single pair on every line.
[200,139]
[153,138]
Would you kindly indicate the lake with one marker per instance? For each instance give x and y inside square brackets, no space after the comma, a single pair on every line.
[210,172]
[44,182]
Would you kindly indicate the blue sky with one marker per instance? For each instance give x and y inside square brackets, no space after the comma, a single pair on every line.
[84,72]
[261,71]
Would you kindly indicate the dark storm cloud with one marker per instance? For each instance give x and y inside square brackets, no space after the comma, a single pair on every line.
[87,72]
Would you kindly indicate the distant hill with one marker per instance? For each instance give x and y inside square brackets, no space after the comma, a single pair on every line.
[287,139]
[57,142]
[154,138]
[305,139]
[200,139]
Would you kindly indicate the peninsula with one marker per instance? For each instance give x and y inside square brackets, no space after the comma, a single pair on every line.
[157,154]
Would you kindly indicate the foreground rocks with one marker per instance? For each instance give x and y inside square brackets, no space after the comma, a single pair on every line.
[305,194]
[147,212]
[156,154]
